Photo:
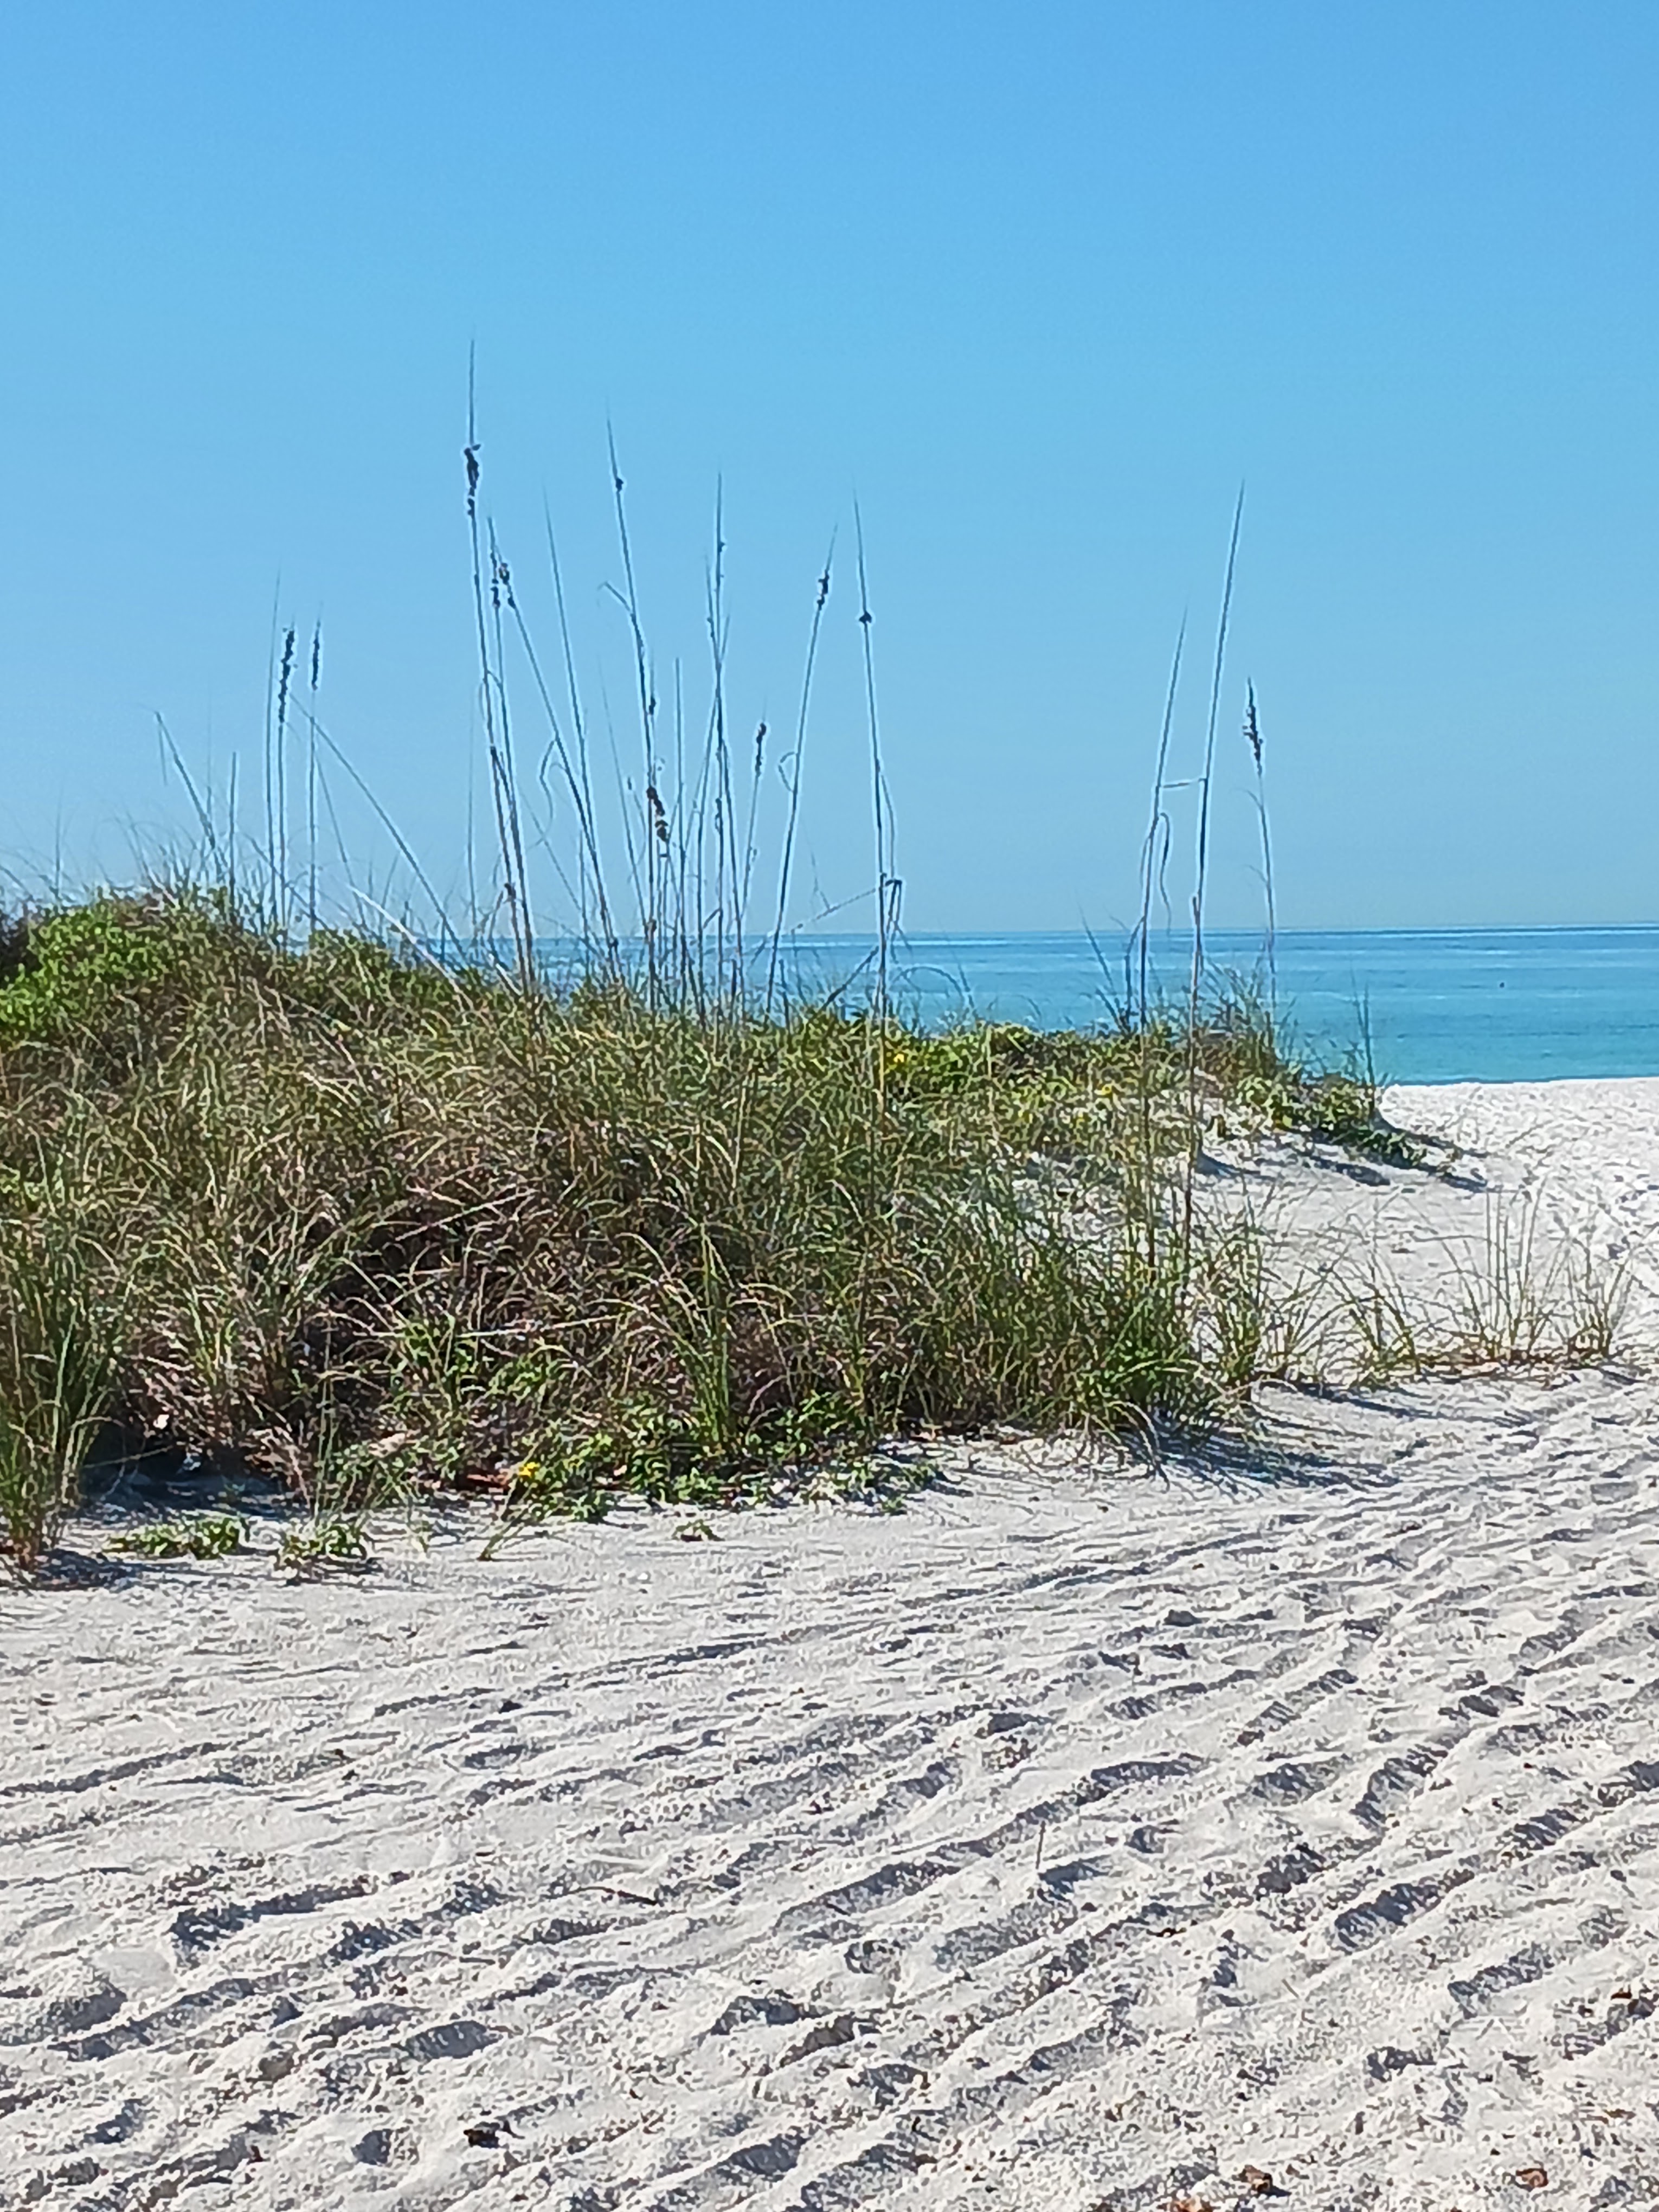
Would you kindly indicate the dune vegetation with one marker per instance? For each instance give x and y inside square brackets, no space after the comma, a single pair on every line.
[379,1213]
[374,1224]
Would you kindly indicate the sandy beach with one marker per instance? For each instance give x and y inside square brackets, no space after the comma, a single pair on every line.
[1283,1820]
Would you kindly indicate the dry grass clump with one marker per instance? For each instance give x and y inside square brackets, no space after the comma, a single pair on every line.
[351,1218]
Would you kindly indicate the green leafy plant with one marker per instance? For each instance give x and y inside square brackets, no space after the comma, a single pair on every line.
[189,1536]
[323,1543]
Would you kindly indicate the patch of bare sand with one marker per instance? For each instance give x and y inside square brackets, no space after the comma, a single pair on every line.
[1078,1839]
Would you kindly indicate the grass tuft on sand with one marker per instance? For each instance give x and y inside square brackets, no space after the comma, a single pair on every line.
[377,1226]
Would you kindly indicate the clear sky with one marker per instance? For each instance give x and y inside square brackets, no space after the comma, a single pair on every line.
[1039,285]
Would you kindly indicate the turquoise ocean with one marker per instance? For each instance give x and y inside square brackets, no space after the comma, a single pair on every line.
[1436,1005]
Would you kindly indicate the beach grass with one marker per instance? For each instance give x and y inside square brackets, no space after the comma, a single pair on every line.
[384,1217]
[336,1214]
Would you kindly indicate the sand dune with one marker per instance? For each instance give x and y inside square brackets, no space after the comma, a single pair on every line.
[1582,1158]
[1544,1194]
[1083,1837]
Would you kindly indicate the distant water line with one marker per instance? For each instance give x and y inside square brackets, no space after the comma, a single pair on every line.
[1427,1005]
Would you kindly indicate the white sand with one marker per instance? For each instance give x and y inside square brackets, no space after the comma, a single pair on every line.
[1075,1839]
[1579,1159]
[1547,1194]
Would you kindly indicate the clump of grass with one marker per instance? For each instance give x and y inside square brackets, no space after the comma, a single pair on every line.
[1509,1298]
[59,1360]
[387,1230]
[370,1226]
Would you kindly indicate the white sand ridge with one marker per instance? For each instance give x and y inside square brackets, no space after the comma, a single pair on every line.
[1078,1839]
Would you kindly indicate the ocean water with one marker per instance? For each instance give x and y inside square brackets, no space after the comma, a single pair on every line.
[1436,1005]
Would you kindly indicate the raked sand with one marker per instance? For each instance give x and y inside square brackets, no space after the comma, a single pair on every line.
[1083,1837]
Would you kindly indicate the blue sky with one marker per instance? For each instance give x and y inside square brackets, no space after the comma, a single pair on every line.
[1038,286]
